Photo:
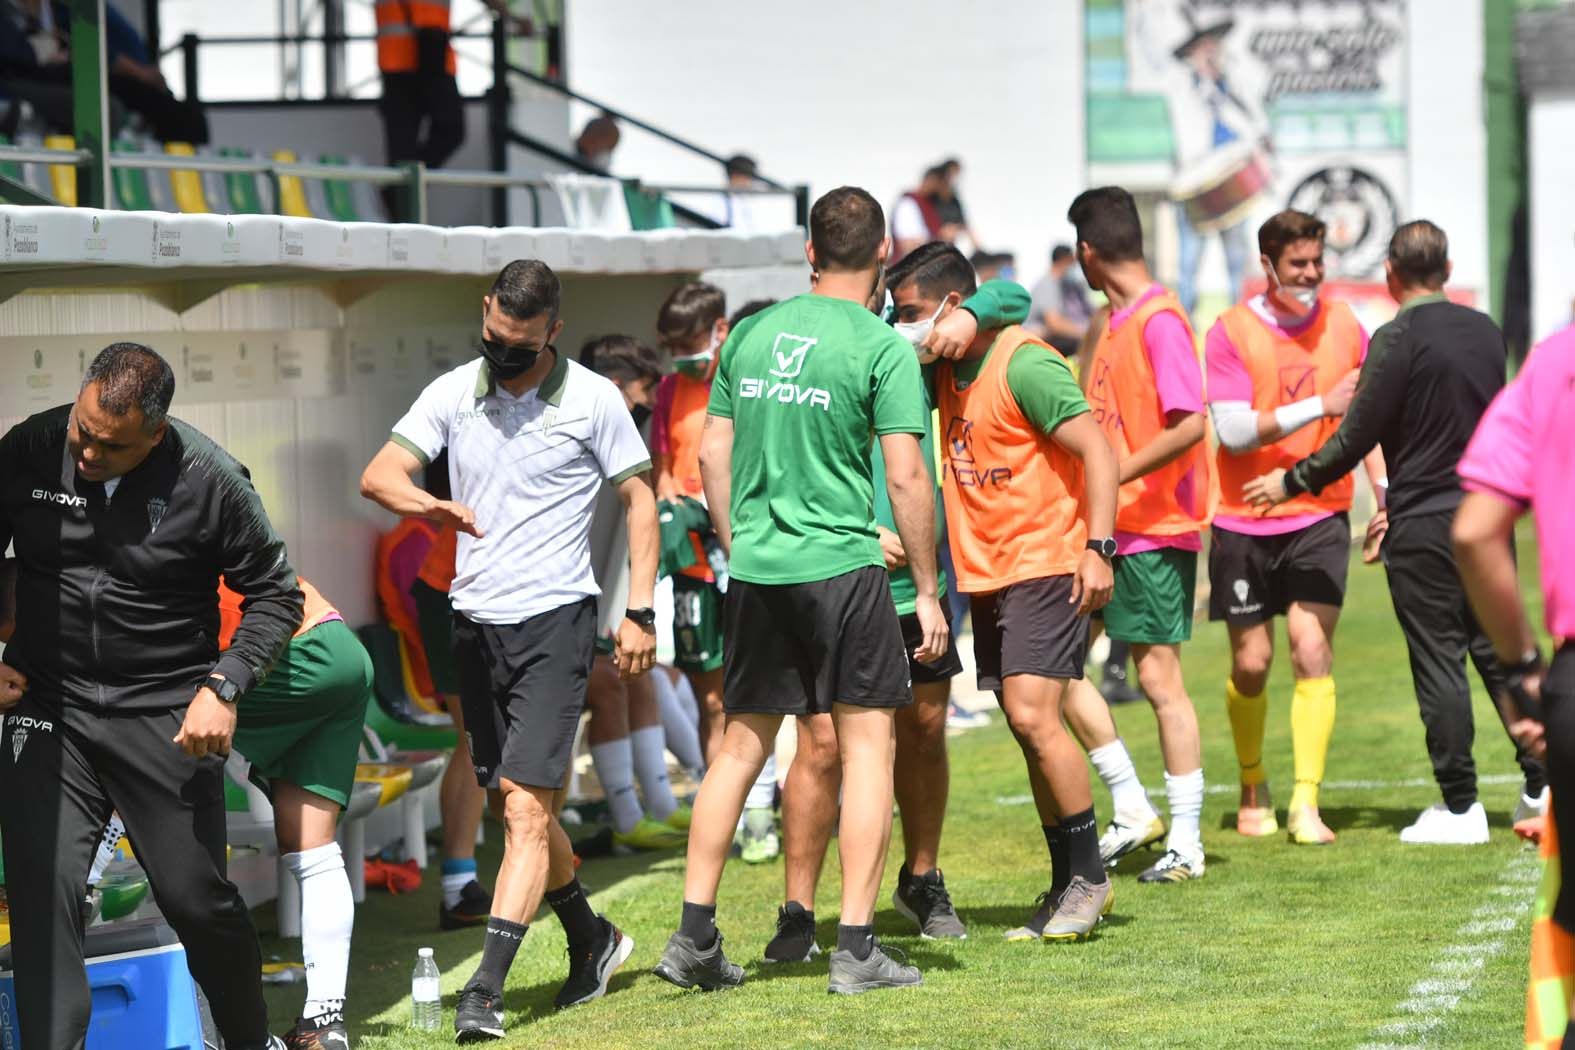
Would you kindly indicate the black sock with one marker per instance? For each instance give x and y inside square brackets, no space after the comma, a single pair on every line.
[574,911]
[860,940]
[497,952]
[699,924]
[1082,845]
[1060,862]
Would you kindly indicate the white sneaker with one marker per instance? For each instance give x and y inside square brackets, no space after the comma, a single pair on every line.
[1129,832]
[1437,826]
[1529,807]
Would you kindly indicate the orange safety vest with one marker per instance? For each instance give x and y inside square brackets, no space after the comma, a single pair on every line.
[1173,500]
[437,568]
[397,23]
[1284,371]
[1014,498]
[685,425]
[316,611]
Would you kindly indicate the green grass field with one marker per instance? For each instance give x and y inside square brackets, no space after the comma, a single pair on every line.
[1365,942]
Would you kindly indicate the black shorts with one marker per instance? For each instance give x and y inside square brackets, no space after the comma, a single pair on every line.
[949,666]
[797,648]
[1253,579]
[1032,627]
[522,688]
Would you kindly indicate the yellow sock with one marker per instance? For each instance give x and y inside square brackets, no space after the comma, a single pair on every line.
[1312,723]
[1247,716]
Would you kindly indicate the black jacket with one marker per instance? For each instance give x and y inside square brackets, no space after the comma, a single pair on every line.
[1430,374]
[117,599]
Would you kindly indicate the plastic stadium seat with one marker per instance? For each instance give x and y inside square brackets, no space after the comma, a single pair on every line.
[132,189]
[10,169]
[62,177]
[339,195]
[242,188]
[186,185]
[292,191]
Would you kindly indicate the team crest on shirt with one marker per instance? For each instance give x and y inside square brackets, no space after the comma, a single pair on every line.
[20,725]
[18,742]
[156,509]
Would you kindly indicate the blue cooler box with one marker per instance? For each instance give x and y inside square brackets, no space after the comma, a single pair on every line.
[143,994]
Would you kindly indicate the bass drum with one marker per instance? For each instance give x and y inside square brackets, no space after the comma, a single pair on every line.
[1221,189]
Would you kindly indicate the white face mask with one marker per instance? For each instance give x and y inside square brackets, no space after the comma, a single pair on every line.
[915,332]
[1298,301]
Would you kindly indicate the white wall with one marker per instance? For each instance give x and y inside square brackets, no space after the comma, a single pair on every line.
[868,93]
[1550,129]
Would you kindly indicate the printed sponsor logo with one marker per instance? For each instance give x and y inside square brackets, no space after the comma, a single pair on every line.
[21,725]
[46,496]
[960,461]
[788,354]
[1243,590]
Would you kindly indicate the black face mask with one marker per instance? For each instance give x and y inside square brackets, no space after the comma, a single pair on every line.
[507,362]
[640,413]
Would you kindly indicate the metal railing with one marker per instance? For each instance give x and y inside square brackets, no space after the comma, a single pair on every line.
[416,178]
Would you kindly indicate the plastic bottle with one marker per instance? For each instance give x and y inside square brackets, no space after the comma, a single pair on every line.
[426,1003]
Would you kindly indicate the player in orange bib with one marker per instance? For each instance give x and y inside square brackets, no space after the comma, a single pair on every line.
[1282,368]
[1030,492]
[1145,387]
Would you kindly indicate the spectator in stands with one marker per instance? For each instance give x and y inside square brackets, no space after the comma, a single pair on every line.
[742,210]
[423,113]
[949,206]
[915,219]
[600,136]
[993,266]
[1060,310]
[43,77]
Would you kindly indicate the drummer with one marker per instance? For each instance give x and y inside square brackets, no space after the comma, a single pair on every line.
[1282,368]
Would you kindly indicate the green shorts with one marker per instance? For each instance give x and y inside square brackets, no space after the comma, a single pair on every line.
[302,724]
[435,620]
[1152,602]
[697,624]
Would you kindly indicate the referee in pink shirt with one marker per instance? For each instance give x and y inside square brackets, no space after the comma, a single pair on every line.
[1523,457]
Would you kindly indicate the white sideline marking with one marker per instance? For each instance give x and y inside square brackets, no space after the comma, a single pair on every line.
[1331,785]
[1449,979]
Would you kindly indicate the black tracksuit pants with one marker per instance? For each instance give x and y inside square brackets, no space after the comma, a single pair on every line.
[62,769]
[1440,630]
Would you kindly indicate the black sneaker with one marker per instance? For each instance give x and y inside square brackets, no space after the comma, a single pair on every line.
[687,966]
[924,899]
[591,968]
[851,975]
[473,909]
[1116,688]
[795,939]
[478,1016]
[323,1032]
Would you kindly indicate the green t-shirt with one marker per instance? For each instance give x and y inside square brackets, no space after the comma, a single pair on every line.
[809,384]
[1041,383]
[996,304]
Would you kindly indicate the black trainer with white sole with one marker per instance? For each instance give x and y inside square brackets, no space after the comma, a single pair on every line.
[478,1017]
[592,967]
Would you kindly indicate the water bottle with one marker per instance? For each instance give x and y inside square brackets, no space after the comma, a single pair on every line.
[426,1004]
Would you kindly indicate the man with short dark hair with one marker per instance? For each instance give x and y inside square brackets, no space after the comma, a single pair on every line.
[1282,368]
[1059,313]
[531,436]
[1429,376]
[801,391]
[116,695]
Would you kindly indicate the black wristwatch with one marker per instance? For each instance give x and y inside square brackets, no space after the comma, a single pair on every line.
[644,617]
[227,691]
[1105,548]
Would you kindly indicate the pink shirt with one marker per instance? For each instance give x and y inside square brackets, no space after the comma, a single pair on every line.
[1229,381]
[1178,380]
[1524,449]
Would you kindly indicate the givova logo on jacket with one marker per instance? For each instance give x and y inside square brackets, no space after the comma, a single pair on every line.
[46,496]
[788,353]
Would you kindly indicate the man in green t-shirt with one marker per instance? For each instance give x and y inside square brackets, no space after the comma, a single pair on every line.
[802,390]
[810,796]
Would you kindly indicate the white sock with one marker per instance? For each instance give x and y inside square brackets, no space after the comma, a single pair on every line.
[680,721]
[764,790]
[650,766]
[1114,766]
[106,849]
[614,763]
[1185,795]
[327,914]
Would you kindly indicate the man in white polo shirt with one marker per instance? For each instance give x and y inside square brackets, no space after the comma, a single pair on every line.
[531,436]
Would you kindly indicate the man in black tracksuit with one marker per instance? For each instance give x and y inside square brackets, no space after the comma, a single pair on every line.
[1429,375]
[114,692]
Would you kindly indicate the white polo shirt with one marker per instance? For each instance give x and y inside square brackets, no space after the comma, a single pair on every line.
[530,467]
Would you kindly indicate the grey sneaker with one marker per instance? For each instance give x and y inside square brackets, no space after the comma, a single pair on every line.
[924,899]
[851,975]
[1044,907]
[1082,905]
[688,966]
